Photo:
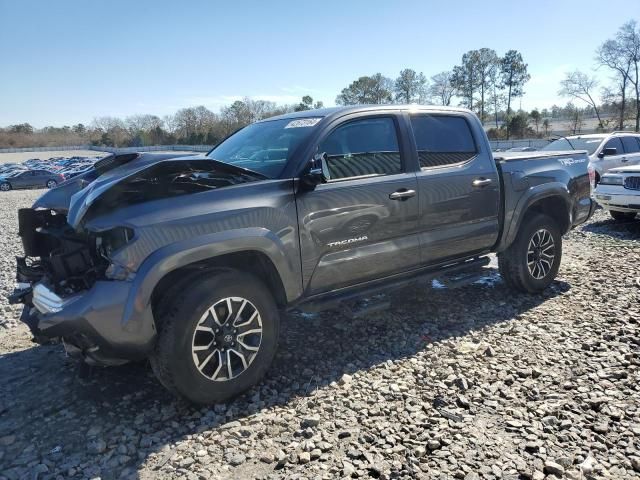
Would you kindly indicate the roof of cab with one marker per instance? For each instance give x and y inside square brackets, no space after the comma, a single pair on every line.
[339,111]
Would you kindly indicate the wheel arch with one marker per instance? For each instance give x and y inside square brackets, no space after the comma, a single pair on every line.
[248,261]
[256,251]
[551,200]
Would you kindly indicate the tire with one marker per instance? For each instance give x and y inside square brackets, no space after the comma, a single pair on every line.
[5,186]
[531,271]
[52,184]
[205,382]
[617,215]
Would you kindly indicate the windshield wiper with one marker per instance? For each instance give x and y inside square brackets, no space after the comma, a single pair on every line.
[231,168]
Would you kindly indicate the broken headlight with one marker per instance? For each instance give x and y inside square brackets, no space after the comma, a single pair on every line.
[110,241]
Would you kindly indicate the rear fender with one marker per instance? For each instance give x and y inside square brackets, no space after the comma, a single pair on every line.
[527,200]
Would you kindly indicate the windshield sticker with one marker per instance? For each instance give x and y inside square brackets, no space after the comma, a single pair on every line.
[303,122]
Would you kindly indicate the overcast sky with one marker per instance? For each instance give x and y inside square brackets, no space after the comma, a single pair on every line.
[64,62]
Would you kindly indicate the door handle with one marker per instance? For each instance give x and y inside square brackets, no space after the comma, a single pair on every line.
[402,194]
[481,182]
[624,159]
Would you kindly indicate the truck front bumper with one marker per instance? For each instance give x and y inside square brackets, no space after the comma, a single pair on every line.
[93,323]
[611,199]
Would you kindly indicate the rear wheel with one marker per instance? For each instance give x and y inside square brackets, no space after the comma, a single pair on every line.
[51,184]
[218,337]
[617,215]
[5,186]
[532,261]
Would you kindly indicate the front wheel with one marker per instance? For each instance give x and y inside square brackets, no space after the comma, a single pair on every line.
[532,261]
[617,215]
[217,338]
[5,186]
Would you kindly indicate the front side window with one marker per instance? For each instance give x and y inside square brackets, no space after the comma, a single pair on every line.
[630,144]
[615,143]
[442,140]
[265,147]
[362,148]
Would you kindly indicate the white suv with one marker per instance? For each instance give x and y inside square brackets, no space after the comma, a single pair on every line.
[619,192]
[606,151]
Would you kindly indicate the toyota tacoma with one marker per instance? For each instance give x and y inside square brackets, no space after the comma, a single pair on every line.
[191,261]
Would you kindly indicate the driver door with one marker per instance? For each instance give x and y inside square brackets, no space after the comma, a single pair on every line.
[362,223]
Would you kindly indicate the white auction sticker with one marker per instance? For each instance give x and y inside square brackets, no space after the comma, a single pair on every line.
[303,122]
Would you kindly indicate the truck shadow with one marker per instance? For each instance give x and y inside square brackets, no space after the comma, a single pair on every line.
[109,423]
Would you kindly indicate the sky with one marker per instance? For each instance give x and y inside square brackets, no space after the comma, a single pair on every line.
[63,62]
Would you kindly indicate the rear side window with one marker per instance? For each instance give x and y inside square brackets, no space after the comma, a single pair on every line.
[615,143]
[442,140]
[630,144]
[363,147]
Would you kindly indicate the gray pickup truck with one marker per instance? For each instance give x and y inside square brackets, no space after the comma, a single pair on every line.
[190,261]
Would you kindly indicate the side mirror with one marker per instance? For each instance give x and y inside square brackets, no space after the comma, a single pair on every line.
[318,172]
[608,151]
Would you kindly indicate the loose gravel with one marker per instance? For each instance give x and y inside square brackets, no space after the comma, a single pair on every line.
[471,383]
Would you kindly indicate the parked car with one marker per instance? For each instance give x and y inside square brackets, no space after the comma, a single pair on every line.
[30,179]
[619,192]
[606,151]
[189,261]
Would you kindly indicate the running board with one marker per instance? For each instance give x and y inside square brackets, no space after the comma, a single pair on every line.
[337,298]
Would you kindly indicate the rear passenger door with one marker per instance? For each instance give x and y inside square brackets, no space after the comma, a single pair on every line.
[362,224]
[631,146]
[459,188]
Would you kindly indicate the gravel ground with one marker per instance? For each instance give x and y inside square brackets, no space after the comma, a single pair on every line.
[499,385]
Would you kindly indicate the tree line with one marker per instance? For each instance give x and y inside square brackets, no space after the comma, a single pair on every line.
[483,81]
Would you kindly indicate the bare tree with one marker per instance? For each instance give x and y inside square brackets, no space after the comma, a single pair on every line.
[629,39]
[442,89]
[580,86]
[611,54]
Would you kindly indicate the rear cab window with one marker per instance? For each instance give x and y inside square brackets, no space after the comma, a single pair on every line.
[362,148]
[442,140]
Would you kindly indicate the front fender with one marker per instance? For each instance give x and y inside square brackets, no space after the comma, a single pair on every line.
[531,196]
[185,252]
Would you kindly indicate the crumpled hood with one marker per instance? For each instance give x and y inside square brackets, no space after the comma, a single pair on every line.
[83,199]
[76,195]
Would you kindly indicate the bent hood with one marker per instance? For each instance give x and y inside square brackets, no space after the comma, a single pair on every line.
[143,178]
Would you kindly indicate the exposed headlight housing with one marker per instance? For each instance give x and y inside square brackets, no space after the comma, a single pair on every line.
[110,241]
[608,179]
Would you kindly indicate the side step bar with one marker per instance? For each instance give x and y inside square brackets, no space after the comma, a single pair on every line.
[338,298]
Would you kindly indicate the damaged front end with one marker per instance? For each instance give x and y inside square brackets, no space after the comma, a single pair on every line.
[70,280]
[68,260]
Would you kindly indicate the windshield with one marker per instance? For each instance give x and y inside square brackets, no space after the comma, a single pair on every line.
[589,144]
[264,147]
